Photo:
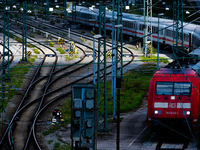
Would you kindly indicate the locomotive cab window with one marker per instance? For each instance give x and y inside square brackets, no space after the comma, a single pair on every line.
[182,88]
[164,88]
[173,88]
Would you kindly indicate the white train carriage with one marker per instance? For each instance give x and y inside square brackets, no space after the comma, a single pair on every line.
[133,25]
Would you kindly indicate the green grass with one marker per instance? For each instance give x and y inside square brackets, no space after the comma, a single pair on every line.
[154,59]
[16,75]
[36,51]
[62,51]
[70,58]
[51,44]
[131,48]
[30,45]
[134,88]
[66,111]
[58,146]
[32,58]
[18,39]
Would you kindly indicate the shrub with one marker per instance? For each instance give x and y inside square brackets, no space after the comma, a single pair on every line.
[154,59]
[36,51]
[51,44]
[30,45]
[60,50]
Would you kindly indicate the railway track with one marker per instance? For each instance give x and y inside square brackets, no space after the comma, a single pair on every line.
[173,140]
[55,98]
[39,103]
[57,31]
[25,118]
[32,84]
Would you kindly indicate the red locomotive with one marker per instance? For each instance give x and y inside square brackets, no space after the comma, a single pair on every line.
[174,98]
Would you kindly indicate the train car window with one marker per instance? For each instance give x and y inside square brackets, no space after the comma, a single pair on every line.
[130,25]
[141,27]
[169,33]
[108,20]
[186,37]
[134,26]
[182,88]
[93,16]
[164,88]
[89,16]
[84,15]
[124,23]
[161,32]
[155,29]
[179,36]
[195,40]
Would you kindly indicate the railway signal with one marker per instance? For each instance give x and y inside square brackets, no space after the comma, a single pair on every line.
[29,53]
[57,113]
[83,116]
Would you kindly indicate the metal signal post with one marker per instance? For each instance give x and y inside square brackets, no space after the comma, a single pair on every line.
[101,72]
[4,63]
[24,48]
[47,9]
[118,53]
[5,60]
[147,5]
[65,9]
[177,28]
[74,11]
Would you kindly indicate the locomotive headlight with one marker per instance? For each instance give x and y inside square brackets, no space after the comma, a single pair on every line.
[186,112]
[157,112]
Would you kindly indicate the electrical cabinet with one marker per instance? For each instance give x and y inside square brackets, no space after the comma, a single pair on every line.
[83,116]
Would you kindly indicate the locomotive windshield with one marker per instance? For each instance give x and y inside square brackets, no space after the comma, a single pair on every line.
[173,88]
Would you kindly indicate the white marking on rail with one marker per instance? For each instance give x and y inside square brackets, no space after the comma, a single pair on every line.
[172,146]
[137,137]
